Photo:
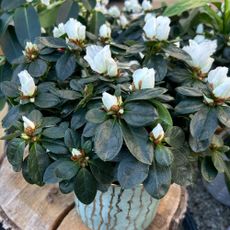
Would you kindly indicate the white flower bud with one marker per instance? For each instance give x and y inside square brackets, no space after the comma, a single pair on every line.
[114,12]
[105,31]
[27,123]
[146,5]
[75,30]
[158,133]
[100,60]
[133,6]
[59,30]
[157,28]
[200,54]
[76,153]
[111,101]
[123,21]
[28,87]
[149,15]
[144,78]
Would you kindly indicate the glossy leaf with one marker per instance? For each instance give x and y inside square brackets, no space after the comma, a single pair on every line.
[163,155]
[208,170]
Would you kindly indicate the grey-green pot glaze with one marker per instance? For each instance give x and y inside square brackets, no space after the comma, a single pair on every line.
[119,209]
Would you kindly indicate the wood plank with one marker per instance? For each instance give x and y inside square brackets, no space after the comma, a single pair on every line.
[169,206]
[29,206]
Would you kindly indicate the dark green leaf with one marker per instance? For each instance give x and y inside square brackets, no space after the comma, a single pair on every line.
[10,45]
[54,132]
[9,89]
[137,141]
[189,106]
[89,129]
[65,66]
[46,100]
[5,20]
[139,114]
[177,53]
[159,64]
[36,117]
[175,136]
[108,140]
[223,113]
[66,170]
[158,181]
[52,42]
[69,9]
[50,121]
[38,161]
[49,175]
[131,173]
[37,68]
[55,146]
[96,116]
[189,91]
[15,152]
[198,145]
[89,4]
[102,171]
[66,186]
[85,186]
[163,155]
[72,139]
[218,161]
[145,94]
[67,94]
[27,25]
[78,119]
[204,123]
[208,170]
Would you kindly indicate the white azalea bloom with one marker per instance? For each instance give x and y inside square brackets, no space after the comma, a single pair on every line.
[75,30]
[101,8]
[105,31]
[123,21]
[27,83]
[114,12]
[100,60]
[45,2]
[157,28]
[27,123]
[31,50]
[200,29]
[200,54]
[133,6]
[147,5]
[110,101]
[76,153]
[217,76]
[59,30]
[144,78]
[220,82]
[158,133]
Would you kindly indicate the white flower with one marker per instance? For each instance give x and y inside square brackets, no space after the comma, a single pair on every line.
[100,60]
[144,78]
[146,5]
[158,133]
[200,54]
[27,123]
[133,6]
[76,153]
[31,51]
[101,8]
[45,2]
[27,83]
[111,102]
[114,12]
[199,38]
[105,31]
[59,30]
[200,29]
[220,82]
[157,28]
[123,21]
[75,30]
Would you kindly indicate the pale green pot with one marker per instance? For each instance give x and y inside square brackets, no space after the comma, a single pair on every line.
[118,209]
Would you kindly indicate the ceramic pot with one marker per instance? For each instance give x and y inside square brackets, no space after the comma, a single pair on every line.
[119,209]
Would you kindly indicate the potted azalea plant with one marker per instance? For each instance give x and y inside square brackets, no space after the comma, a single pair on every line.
[112,104]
